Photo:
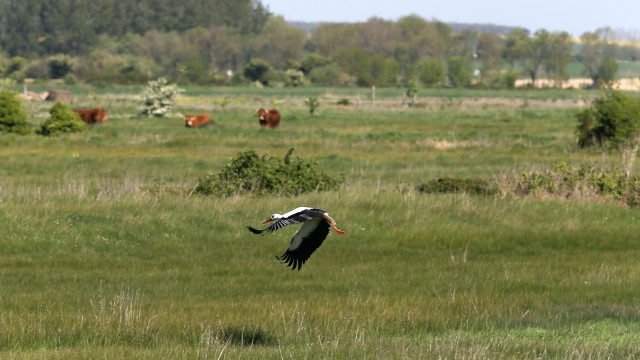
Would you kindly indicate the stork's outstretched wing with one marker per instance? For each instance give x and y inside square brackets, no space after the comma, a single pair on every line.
[304,242]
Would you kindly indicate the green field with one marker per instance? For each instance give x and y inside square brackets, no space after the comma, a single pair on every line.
[105,253]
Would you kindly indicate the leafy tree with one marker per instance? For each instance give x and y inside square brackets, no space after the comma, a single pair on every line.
[226,48]
[331,75]
[60,66]
[16,69]
[279,43]
[432,72]
[378,37]
[607,71]
[383,71]
[489,52]
[41,27]
[417,36]
[594,50]
[313,61]
[368,70]
[62,120]
[458,72]
[536,54]
[20,27]
[257,70]
[357,63]
[330,39]
[612,120]
[12,117]
[516,46]
[560,49]
[462,44]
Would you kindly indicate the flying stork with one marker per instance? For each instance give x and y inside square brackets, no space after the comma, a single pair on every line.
[314,229]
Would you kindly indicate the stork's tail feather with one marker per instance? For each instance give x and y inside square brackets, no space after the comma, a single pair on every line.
[255,231]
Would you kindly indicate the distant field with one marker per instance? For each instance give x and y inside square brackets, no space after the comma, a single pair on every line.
[105,254]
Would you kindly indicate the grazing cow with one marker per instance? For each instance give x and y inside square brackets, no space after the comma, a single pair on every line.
[92,116]
[268,118]
[196,120]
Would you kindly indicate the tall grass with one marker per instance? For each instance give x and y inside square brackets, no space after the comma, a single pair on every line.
[105,255]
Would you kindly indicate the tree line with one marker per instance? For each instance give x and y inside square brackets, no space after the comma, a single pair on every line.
[221,42]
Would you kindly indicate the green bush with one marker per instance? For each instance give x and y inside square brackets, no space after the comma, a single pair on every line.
[330,75]
[60,66]
[295,78]
[508,79]
[312,103]
[574,181]
[257,70]
[12,117]
[447,185]
[613,118]
[458,72]
[432,72]
[261,175]
[61,121]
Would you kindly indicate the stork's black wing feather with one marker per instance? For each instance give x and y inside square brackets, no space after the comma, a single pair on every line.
[301,248]
[255,231]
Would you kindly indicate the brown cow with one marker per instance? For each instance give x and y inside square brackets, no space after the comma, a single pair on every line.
[269,118]
[196,120]
[92,116]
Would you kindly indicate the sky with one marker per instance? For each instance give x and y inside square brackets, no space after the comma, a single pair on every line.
[572,16]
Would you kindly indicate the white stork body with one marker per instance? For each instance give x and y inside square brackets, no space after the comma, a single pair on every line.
[314,229]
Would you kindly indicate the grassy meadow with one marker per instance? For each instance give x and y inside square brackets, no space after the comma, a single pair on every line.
[106,254]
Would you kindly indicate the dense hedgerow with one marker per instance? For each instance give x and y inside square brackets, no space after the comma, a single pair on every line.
[578,181]
[62,120]
[561,181]
[446,185]
[260,175]
[12,117]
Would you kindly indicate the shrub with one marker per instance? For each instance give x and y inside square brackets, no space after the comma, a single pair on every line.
[508,79]
[572,181]
[159,97]
[261,175]
[60,66]
[344,102]
[447,185]
[458,72]
[431,72]
[313,61]
[70,79]
[612,120]
[295,78]
[12,117]
[257,70]
[313,103]
[62,120]
[16,64]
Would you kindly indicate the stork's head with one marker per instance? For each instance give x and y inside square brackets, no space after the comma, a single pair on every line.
[271,218]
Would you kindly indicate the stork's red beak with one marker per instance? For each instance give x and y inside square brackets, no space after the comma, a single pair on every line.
[267,220]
